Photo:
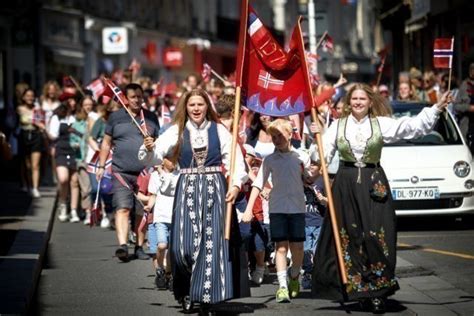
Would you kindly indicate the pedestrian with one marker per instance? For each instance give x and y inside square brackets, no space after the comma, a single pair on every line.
[200,146]
[162,187]
[316,204]
[287,168]
[32,142]
[60,129]
[125,137]
[362,199]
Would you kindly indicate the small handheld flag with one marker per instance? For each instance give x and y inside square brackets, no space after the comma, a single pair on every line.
[443,52]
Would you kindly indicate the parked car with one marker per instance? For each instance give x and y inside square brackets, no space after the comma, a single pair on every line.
[432,174]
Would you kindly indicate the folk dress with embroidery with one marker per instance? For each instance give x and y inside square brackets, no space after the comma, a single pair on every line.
[199,252]
[367,224]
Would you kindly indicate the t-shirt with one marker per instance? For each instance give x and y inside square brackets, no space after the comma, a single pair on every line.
[127,139]
[314,209]
[163,186]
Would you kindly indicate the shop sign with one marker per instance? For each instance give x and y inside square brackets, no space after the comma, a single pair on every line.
[114,40]
[172,57]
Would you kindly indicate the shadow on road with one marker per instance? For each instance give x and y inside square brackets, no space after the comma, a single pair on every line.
[435,223]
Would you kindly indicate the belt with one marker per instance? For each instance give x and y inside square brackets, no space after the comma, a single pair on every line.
[201,170]
[358,164]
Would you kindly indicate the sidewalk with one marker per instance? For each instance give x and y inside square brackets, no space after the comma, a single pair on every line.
[25,228]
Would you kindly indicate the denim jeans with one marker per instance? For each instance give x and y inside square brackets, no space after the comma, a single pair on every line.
[310,245]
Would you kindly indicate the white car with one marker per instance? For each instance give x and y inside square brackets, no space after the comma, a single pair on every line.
[433,174]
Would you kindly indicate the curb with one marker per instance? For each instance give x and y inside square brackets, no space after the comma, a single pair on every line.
[21,268]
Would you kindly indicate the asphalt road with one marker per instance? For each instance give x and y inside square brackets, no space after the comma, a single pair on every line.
[443,246]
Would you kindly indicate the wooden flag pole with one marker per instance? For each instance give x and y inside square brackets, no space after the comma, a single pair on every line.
[235,132]
[218,76]
[379,77]
[78,87]
[321,40]
[332,210]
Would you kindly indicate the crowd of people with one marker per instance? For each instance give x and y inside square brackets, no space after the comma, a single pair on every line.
[160,182]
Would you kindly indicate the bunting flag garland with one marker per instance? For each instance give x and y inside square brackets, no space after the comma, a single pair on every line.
[274,82]
[443,52]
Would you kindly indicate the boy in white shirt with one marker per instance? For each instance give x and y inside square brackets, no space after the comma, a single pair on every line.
[162,188]
[287,167]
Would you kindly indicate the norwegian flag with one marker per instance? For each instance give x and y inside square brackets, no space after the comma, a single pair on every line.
[134,66]
[93,165]
[112,91]
[443,52]
[165,115]
[312,60]
[97,88]
[328,44]
[143,122]
[206,72]
[266,81]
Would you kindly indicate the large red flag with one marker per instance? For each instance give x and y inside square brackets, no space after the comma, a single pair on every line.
[443,52]
[274,81]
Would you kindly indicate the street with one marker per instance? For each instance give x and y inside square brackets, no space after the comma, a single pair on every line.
[81,276]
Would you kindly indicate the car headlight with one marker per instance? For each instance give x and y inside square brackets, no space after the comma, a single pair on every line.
[461,169]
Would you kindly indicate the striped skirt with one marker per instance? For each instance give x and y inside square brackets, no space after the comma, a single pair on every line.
[199,252]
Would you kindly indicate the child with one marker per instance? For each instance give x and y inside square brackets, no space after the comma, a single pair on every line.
[315,207]
[287,167]
[162,185]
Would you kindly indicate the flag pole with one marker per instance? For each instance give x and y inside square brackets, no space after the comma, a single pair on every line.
[450,69]
[327,184]
[78,87]
[218,76]
[235,131]
[128,111]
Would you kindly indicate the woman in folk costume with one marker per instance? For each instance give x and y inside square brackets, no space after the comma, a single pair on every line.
[201,146]
[362,199]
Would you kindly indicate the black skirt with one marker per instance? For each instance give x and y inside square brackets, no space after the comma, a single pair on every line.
[367,229]
[31,141]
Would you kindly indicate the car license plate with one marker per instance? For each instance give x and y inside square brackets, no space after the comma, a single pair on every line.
[416,193]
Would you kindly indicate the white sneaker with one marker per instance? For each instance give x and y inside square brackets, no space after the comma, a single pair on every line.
[63,217]
[74,218]
[35,193]
[257,276]
[87,220]
[105,222]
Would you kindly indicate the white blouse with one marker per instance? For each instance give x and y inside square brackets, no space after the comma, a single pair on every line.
[358,132]
[165,144]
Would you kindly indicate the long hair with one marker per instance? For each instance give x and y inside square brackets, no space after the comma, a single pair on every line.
[181,116]
[46,88]
[80,111]
[380,106]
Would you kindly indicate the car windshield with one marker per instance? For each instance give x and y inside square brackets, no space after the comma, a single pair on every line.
[444,132]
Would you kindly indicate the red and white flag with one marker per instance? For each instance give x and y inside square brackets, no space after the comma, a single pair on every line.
[134,66]
[93,164]
[97,88]
[328,44]
[206,72]
[443,52]
[312,60]
[112,91]
[39,116]
[165,115]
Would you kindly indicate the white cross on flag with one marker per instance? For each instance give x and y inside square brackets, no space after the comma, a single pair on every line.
[443,52]
[266,81]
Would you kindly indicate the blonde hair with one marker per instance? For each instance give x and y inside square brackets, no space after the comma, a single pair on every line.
[380,106]
[280,125]
[46,88]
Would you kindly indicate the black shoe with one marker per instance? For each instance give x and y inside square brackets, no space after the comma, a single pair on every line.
[187,304]
[140,254]
[160,279]
[122,253]
[169,281]
[378,305]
